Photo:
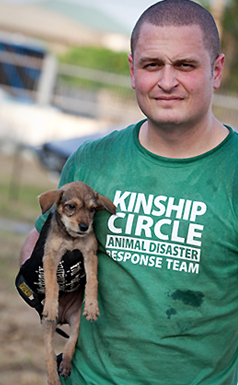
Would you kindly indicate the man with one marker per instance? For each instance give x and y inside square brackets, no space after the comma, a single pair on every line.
[168,260]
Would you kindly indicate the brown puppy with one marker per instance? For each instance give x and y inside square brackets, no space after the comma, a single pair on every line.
[71,228]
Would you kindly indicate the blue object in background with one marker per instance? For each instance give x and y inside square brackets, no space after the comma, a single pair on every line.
[20,68]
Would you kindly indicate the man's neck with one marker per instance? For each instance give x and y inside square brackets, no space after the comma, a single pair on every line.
[181,142]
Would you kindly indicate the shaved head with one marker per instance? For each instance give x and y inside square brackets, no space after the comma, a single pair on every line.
[180,13]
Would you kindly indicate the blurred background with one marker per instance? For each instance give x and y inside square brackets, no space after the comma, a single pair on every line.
[64,77]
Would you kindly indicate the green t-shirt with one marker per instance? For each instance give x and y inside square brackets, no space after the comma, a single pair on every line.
[168,265]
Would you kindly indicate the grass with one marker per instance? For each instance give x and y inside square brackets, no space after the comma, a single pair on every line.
[23,207]
[22,179]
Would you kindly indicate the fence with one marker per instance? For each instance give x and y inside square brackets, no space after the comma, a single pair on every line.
[94,93]
[30,72]
[105,95]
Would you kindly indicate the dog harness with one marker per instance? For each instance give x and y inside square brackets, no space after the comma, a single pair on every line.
[30,281]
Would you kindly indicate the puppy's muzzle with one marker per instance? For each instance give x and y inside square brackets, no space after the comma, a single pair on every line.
[83,227]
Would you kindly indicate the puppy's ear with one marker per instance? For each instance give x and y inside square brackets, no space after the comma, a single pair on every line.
[48,199]
[105,203]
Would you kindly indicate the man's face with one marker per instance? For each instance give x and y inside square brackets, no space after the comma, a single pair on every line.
[173,76]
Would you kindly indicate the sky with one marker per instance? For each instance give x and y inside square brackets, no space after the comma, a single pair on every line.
[124,11]
[127,12]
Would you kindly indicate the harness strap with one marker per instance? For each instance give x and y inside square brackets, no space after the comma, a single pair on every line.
[30,281]
[28,294]
[33,299]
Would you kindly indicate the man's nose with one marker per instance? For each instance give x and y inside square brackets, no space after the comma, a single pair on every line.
[168,79]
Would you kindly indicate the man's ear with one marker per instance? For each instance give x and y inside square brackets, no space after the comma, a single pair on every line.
[130,59]
[218,71]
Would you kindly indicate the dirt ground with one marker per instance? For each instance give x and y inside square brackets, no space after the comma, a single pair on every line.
[21,342]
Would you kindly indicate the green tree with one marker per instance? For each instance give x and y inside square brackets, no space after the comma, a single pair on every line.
[98,58]
[229,37]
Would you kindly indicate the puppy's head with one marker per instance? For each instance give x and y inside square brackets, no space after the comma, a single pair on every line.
[76,204]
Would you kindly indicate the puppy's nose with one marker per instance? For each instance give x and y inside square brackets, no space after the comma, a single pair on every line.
[83,227]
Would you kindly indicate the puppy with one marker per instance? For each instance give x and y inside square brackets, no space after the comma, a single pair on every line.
[71,228]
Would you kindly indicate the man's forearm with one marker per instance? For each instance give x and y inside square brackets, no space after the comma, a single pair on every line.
[29,245]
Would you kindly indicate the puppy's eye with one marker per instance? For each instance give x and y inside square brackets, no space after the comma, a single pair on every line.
[92,210]
[71,206]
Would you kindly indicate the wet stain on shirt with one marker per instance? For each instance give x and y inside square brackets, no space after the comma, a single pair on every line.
[170,312]
[189,297]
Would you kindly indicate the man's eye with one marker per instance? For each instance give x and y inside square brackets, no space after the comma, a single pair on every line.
[151,65]
[186,66]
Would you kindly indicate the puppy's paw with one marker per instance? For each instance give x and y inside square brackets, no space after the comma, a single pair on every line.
[91,311]
[50,311]
[65,368]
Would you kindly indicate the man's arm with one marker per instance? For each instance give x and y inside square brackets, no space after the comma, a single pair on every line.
[29,245]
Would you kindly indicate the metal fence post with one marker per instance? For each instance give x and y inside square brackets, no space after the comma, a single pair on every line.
[47,80]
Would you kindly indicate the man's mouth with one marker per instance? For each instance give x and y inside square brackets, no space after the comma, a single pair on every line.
[168,98]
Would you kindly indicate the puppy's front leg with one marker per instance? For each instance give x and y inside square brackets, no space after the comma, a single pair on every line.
[91,310]
[51,259]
